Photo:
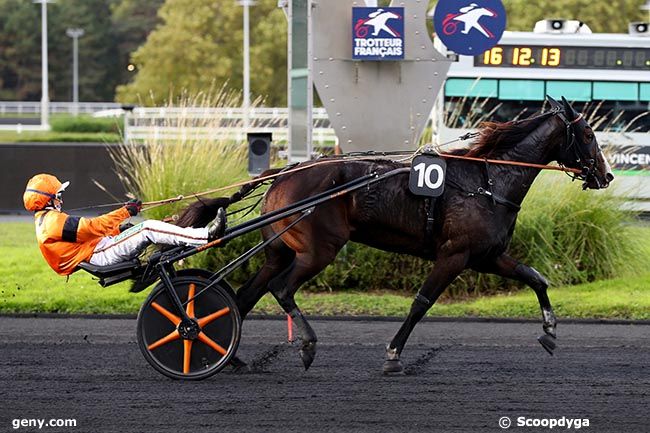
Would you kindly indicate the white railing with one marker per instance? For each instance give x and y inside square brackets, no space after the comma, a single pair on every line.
[34,107]
[172,123]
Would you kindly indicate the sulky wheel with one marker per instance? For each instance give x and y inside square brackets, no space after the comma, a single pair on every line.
[195,350]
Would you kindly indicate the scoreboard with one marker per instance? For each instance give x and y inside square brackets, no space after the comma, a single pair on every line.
[566,57]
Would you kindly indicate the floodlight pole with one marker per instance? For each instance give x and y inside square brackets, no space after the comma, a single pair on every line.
[75,34]
[45,88]
[247,90]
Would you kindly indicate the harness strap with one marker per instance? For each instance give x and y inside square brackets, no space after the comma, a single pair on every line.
[490,182]
[496,198]
[429,204]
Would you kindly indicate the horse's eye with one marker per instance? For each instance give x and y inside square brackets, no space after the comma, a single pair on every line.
[589,136]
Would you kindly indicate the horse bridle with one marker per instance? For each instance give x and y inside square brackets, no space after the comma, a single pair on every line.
[571,143]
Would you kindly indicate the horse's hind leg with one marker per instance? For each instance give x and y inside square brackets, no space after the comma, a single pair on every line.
[444,272]
[278,258]
[284,287]
[508,267]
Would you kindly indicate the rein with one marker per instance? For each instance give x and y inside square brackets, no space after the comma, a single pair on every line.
[515,163]
[354,156]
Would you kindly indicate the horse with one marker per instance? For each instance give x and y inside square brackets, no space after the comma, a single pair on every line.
[473,220]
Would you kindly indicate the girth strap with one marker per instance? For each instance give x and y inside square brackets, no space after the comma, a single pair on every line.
[429,205]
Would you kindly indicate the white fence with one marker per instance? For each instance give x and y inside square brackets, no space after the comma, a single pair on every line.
[172,123]
[34,107]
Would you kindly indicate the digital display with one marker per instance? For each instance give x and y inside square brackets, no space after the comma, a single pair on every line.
[529,56]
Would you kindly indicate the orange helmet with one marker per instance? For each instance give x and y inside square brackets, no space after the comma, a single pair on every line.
[41,190]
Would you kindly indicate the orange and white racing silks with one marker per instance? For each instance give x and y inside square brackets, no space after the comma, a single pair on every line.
[66,241]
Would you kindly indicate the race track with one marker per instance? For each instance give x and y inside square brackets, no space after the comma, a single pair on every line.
[461,376]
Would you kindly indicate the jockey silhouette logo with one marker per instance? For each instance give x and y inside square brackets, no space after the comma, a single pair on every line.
[471,29]
[470,16]
[378,21]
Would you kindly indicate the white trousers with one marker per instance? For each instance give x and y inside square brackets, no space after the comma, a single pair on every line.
[130,243]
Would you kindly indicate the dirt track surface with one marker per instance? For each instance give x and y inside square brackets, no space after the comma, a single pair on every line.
[460,377]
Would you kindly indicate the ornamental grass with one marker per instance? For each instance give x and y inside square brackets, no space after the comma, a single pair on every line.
[161,168]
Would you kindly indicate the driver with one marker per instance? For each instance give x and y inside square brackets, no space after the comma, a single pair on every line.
[65,241]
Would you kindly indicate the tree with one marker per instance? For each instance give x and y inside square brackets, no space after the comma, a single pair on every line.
[199,43]
[132,21]
[610,16]
[100,64]
[20,53]
[20,57]
[97,49]
[269,54]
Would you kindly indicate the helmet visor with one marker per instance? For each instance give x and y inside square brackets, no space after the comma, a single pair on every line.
[63,186]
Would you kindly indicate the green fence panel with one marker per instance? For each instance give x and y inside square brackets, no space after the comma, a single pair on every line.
[571,90]
[471,88]
[644,92]
[521,90]
[613,91]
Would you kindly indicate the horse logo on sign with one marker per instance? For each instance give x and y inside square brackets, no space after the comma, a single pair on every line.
[470,16]
[470,29]
[385,41]
[378,21]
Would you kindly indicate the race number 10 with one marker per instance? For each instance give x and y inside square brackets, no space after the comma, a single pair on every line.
[427,176]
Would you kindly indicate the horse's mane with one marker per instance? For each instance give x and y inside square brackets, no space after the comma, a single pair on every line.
[496,138]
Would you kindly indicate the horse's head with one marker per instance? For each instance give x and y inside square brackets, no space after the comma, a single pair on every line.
[579,148]
[487,12]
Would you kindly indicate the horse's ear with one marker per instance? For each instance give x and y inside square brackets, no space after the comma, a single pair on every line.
[553,102]
[568,110]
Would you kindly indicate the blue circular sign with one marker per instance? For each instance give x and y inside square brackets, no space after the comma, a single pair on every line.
[469,27]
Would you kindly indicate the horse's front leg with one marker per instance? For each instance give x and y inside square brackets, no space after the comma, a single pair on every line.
[508,267]
[444,272]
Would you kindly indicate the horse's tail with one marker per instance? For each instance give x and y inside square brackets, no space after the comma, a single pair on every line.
[201,212]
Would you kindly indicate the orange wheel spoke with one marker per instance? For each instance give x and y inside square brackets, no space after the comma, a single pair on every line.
[207,340]
[168,314]
[174,335]
[187,354]
[190,301]
[203,321]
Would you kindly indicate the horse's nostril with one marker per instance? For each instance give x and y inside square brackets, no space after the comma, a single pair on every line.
[609,177]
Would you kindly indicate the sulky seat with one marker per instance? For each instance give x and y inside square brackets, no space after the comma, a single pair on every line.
[112,274]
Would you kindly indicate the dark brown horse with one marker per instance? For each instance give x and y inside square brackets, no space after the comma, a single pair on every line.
[473,220]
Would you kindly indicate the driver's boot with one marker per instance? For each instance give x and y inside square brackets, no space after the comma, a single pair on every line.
[217,227]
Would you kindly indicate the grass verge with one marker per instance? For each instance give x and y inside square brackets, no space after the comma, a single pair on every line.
[58,137]
[28,285]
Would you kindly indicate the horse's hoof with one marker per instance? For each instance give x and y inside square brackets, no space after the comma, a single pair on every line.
[307,354]
[393,366]
[548,343]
